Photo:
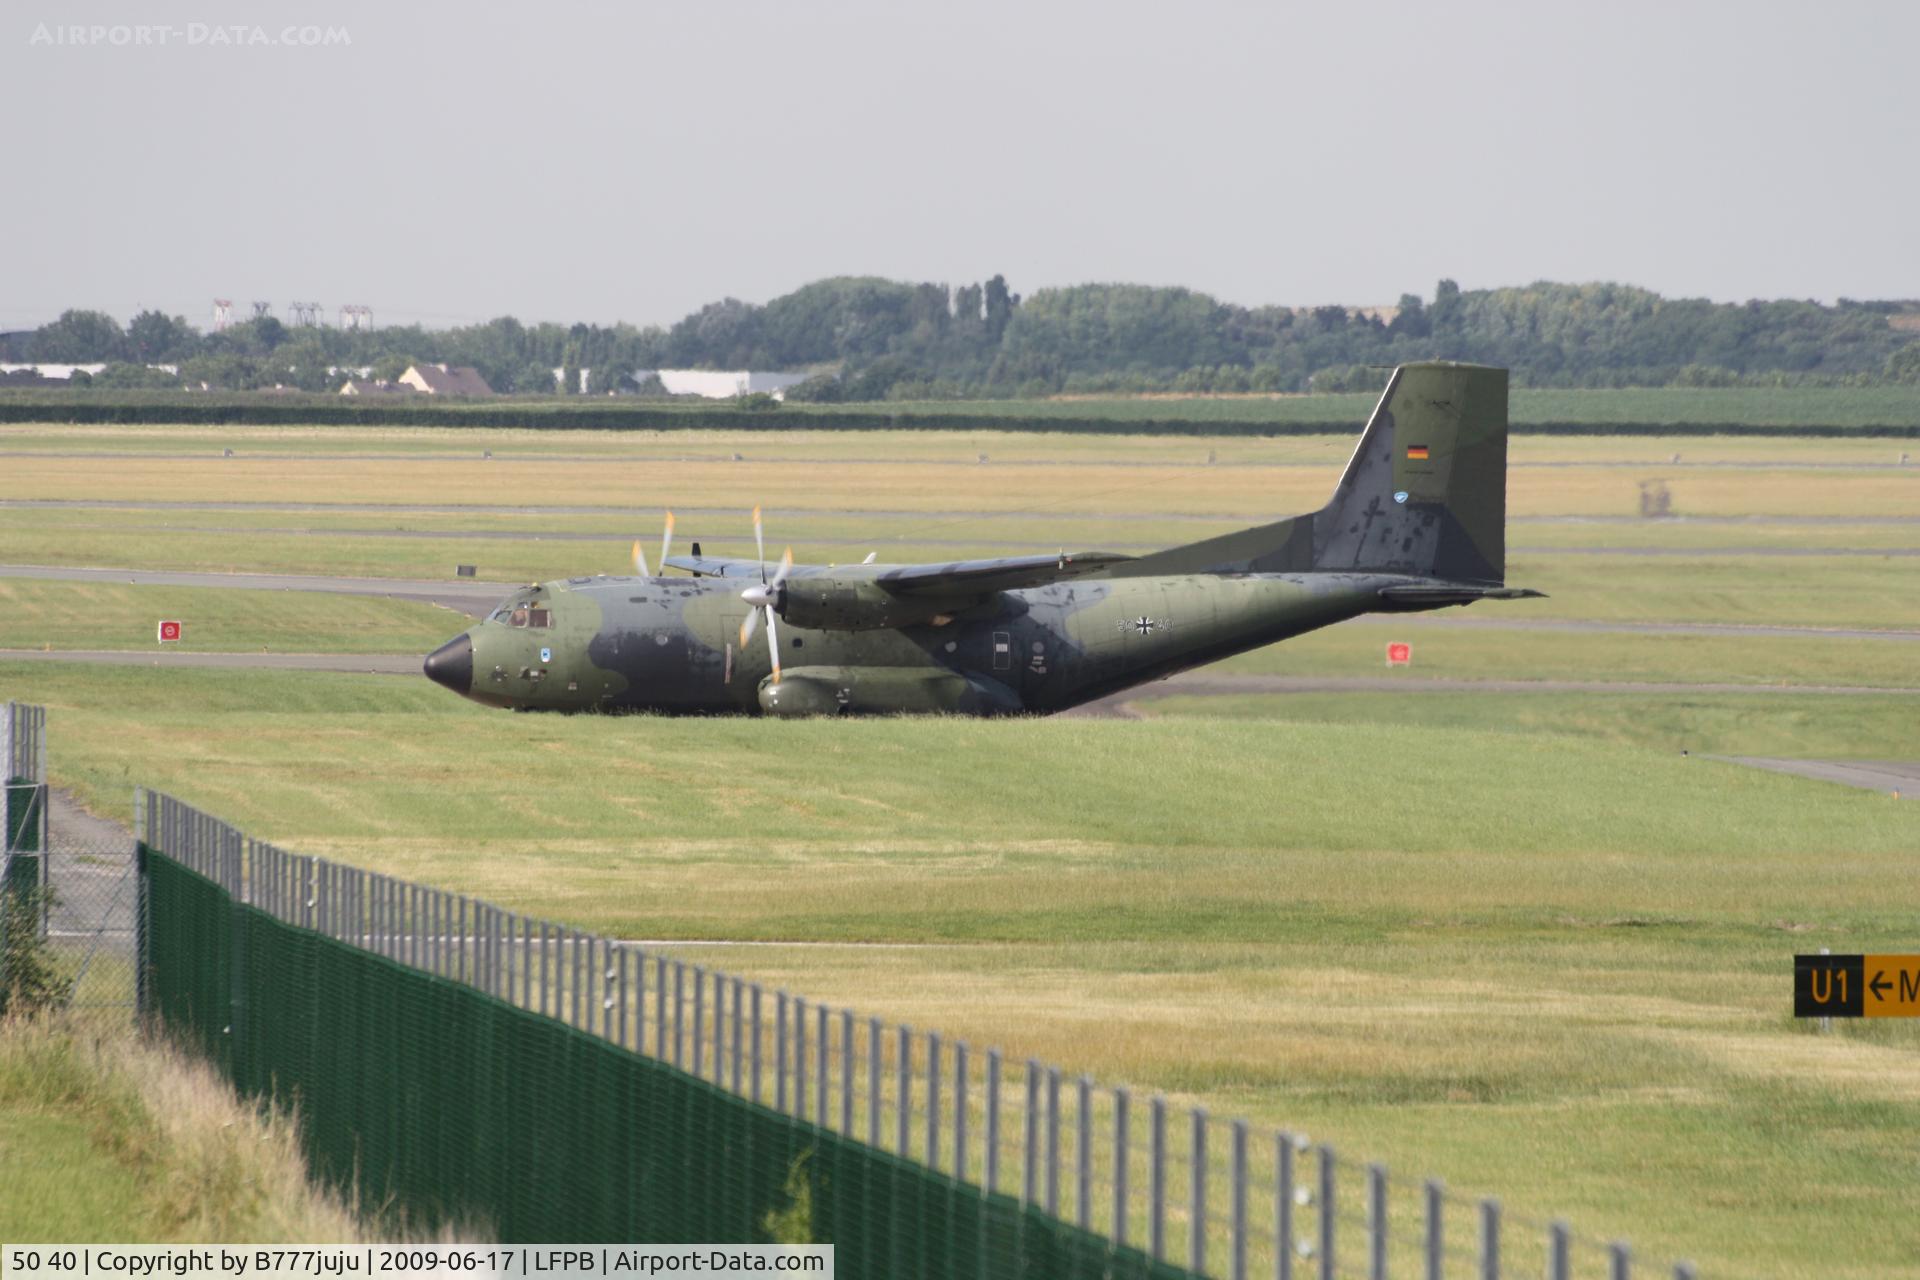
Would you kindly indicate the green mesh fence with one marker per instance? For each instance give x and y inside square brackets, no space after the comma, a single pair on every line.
[431,1100]
[451,1060]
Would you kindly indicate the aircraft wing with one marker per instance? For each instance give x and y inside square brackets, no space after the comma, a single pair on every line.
[957,578]
[718,567]
[983,577]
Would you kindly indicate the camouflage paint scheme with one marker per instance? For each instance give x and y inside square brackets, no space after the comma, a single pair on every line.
[1416,522]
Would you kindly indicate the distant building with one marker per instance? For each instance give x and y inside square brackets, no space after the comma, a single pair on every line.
[720,384]
[368,387]
[441,380]
[57,372]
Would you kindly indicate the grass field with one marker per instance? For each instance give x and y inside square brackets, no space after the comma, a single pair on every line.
[110,615]
[104,1137]
[1517,940]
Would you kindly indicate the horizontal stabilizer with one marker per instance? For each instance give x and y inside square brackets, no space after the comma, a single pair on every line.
[1409,596]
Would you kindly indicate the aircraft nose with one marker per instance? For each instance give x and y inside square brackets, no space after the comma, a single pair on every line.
[452,664]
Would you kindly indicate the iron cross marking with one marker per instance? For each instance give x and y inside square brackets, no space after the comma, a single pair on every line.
[1143,624]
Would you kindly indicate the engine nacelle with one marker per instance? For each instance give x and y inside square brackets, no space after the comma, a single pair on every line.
[871,691]
[829,604]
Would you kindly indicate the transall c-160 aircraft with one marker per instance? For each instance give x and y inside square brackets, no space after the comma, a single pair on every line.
[1418,521]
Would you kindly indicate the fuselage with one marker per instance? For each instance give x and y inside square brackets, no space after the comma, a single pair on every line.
[670,644]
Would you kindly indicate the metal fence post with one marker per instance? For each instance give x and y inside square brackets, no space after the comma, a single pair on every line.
[1121,1152]
[699,1016]
[822,1040]
[1157,1178]
[1559,1251]
[1685,1271]
[780,1052]
[846,1072]
[959,1110]
[659,1008]
[1376,1222]
[993,1121]
[1053,1141]
[1283,1205]
[1030,1147]
[1239,1207]
[679,1012]
[800,1058]
[1083,1155]
[905,1068]
[875,1075]
[626,964]
[1328,1212]
[933,1101]
[1619,1261]
[756,1042]
[1435,1235]
[739,988]
[1197,1233]
[1489,1239]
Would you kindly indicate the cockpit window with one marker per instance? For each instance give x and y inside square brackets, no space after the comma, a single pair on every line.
[523,613]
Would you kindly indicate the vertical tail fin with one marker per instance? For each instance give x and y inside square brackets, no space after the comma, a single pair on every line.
[1426,490]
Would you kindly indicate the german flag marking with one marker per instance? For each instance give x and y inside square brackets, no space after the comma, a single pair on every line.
[1416,453]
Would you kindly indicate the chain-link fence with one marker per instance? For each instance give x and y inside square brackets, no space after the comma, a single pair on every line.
[67,889]
[345,985]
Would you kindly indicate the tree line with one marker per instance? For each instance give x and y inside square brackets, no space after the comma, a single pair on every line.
[872,339]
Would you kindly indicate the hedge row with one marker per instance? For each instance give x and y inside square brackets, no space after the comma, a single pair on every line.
[608,415]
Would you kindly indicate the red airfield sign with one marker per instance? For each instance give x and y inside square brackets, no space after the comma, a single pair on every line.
[169,632]
[1399,655]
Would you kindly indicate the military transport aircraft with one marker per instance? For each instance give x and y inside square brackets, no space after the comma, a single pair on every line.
[1417,522]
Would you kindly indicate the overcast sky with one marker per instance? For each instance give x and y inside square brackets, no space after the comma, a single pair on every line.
[451,162]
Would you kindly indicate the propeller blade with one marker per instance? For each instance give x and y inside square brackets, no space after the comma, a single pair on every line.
[640,560]
[748,625]
[666,542]
[760,546]
[786,567]
[871,557]
[773,645]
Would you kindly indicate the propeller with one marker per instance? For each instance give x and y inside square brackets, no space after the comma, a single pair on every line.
[761,599]
[666,544]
